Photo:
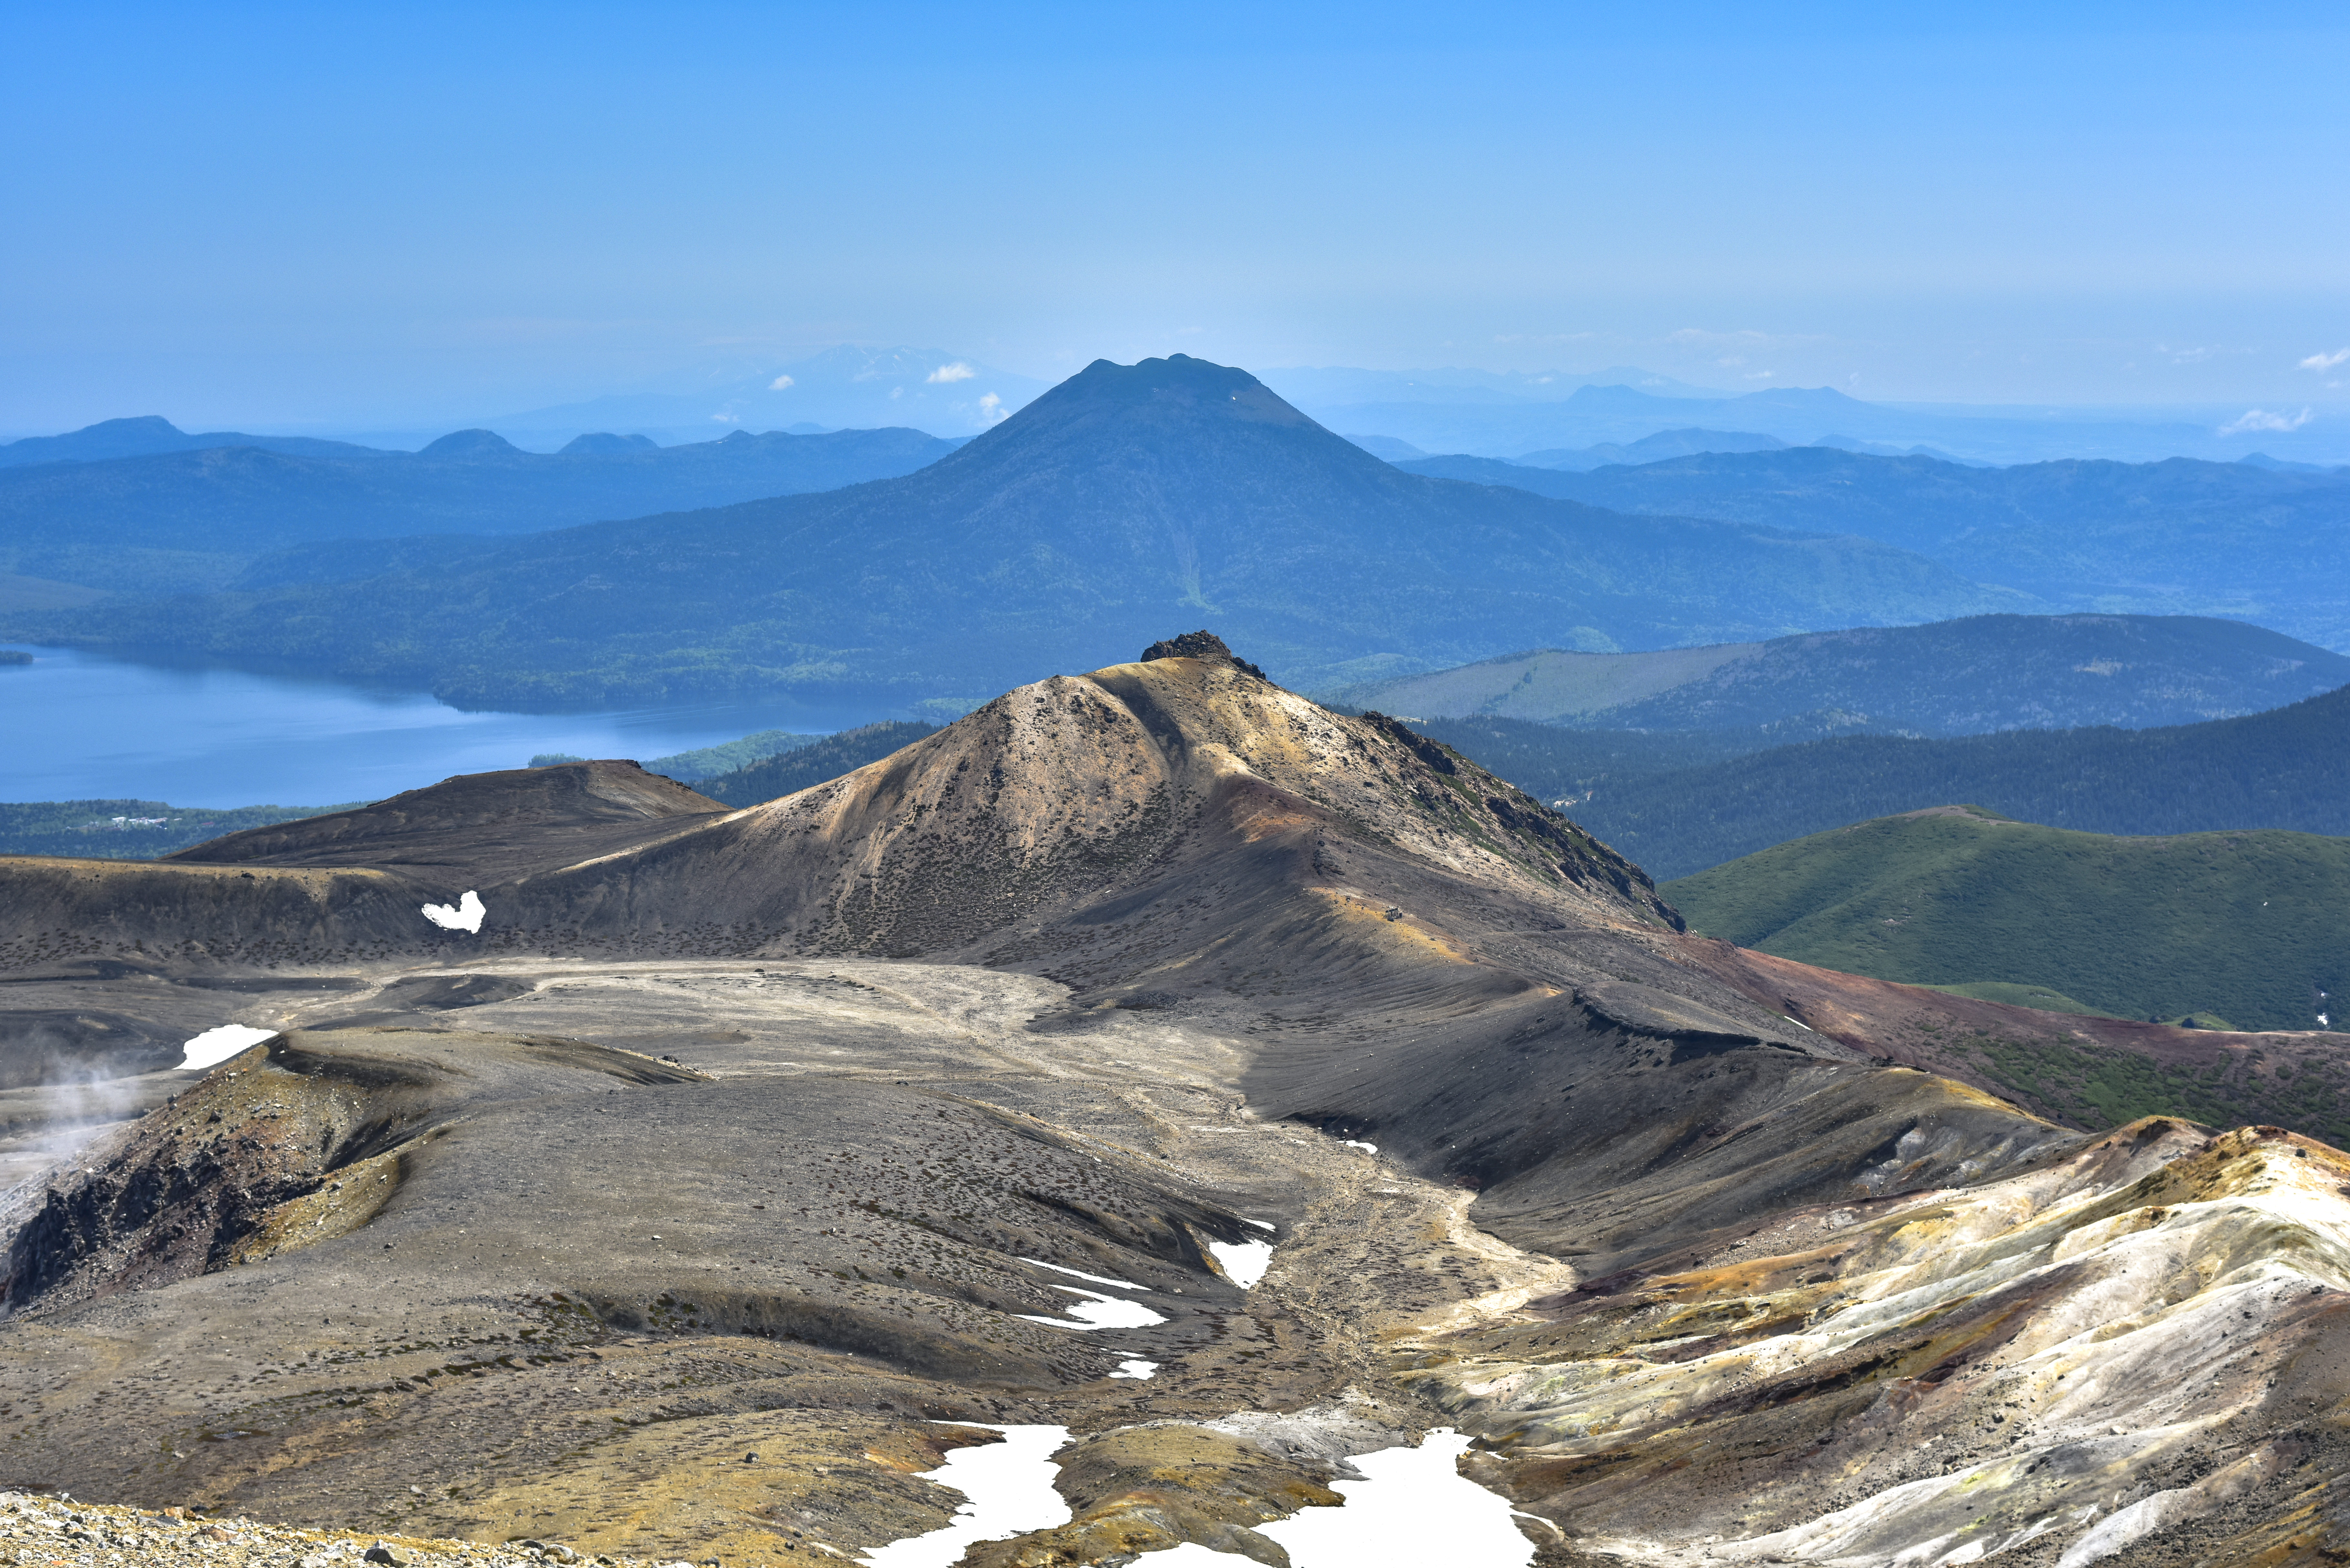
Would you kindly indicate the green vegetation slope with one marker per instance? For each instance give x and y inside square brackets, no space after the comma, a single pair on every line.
[2253,927]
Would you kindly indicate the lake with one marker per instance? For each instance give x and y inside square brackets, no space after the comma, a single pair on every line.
[92,726]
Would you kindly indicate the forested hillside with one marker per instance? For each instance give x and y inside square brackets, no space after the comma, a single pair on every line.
[805,766]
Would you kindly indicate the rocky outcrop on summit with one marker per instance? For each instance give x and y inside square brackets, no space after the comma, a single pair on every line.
[1201,645]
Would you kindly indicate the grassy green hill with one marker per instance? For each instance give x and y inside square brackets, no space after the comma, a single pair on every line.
[2252,929]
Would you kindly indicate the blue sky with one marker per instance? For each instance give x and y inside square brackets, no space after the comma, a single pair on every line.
[279,216]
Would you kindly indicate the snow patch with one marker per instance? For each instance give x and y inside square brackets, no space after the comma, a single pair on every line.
[1081,1275]
[1356,1143]
[1138,1369]
[214,1047]
[464,916]
[1412,1507]
[1244,1263]
[1098,1311]
[1260,1224]
[1009,1486]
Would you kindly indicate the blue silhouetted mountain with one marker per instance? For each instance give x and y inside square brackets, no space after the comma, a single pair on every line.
[2181,537]
[144,437]
[1441,421]
[1125,498]
[1951,677]
[184,520]
[1678,809]
[605,442]
[1648,449]
[471,443]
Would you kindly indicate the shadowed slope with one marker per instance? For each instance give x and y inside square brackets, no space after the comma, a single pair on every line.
[488,827]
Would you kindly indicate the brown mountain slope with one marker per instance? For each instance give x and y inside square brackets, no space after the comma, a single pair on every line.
[1109,974]
[477,828]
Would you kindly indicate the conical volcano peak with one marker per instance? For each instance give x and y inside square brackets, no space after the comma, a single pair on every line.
[1204,646]
[1177,386]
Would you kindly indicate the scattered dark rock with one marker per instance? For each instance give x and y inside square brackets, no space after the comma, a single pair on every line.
[1203,646]
[1150,1002]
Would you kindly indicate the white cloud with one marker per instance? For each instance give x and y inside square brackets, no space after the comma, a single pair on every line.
[1745,338]
[2262,420]
[779,384]
[991,409]
[958,371]
[2327,362]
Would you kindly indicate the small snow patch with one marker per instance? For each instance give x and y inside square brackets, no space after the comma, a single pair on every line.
[1136,1370]
[1244,1263]
[1366,1148]
[214,1047]
[1081,1275]
[464,916]
[1260,1224]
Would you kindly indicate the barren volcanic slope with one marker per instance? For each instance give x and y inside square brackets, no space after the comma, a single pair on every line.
[674,1212]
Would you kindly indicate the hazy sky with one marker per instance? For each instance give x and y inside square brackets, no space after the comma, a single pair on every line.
[274,216]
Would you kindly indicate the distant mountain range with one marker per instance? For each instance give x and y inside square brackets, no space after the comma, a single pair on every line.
[1676,805]
[1124,497]
[1505,426]
[1951,678]
[2245,930]
[149,434]
[2263,541]
[1648,449]
[1334,385]
[178,517]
